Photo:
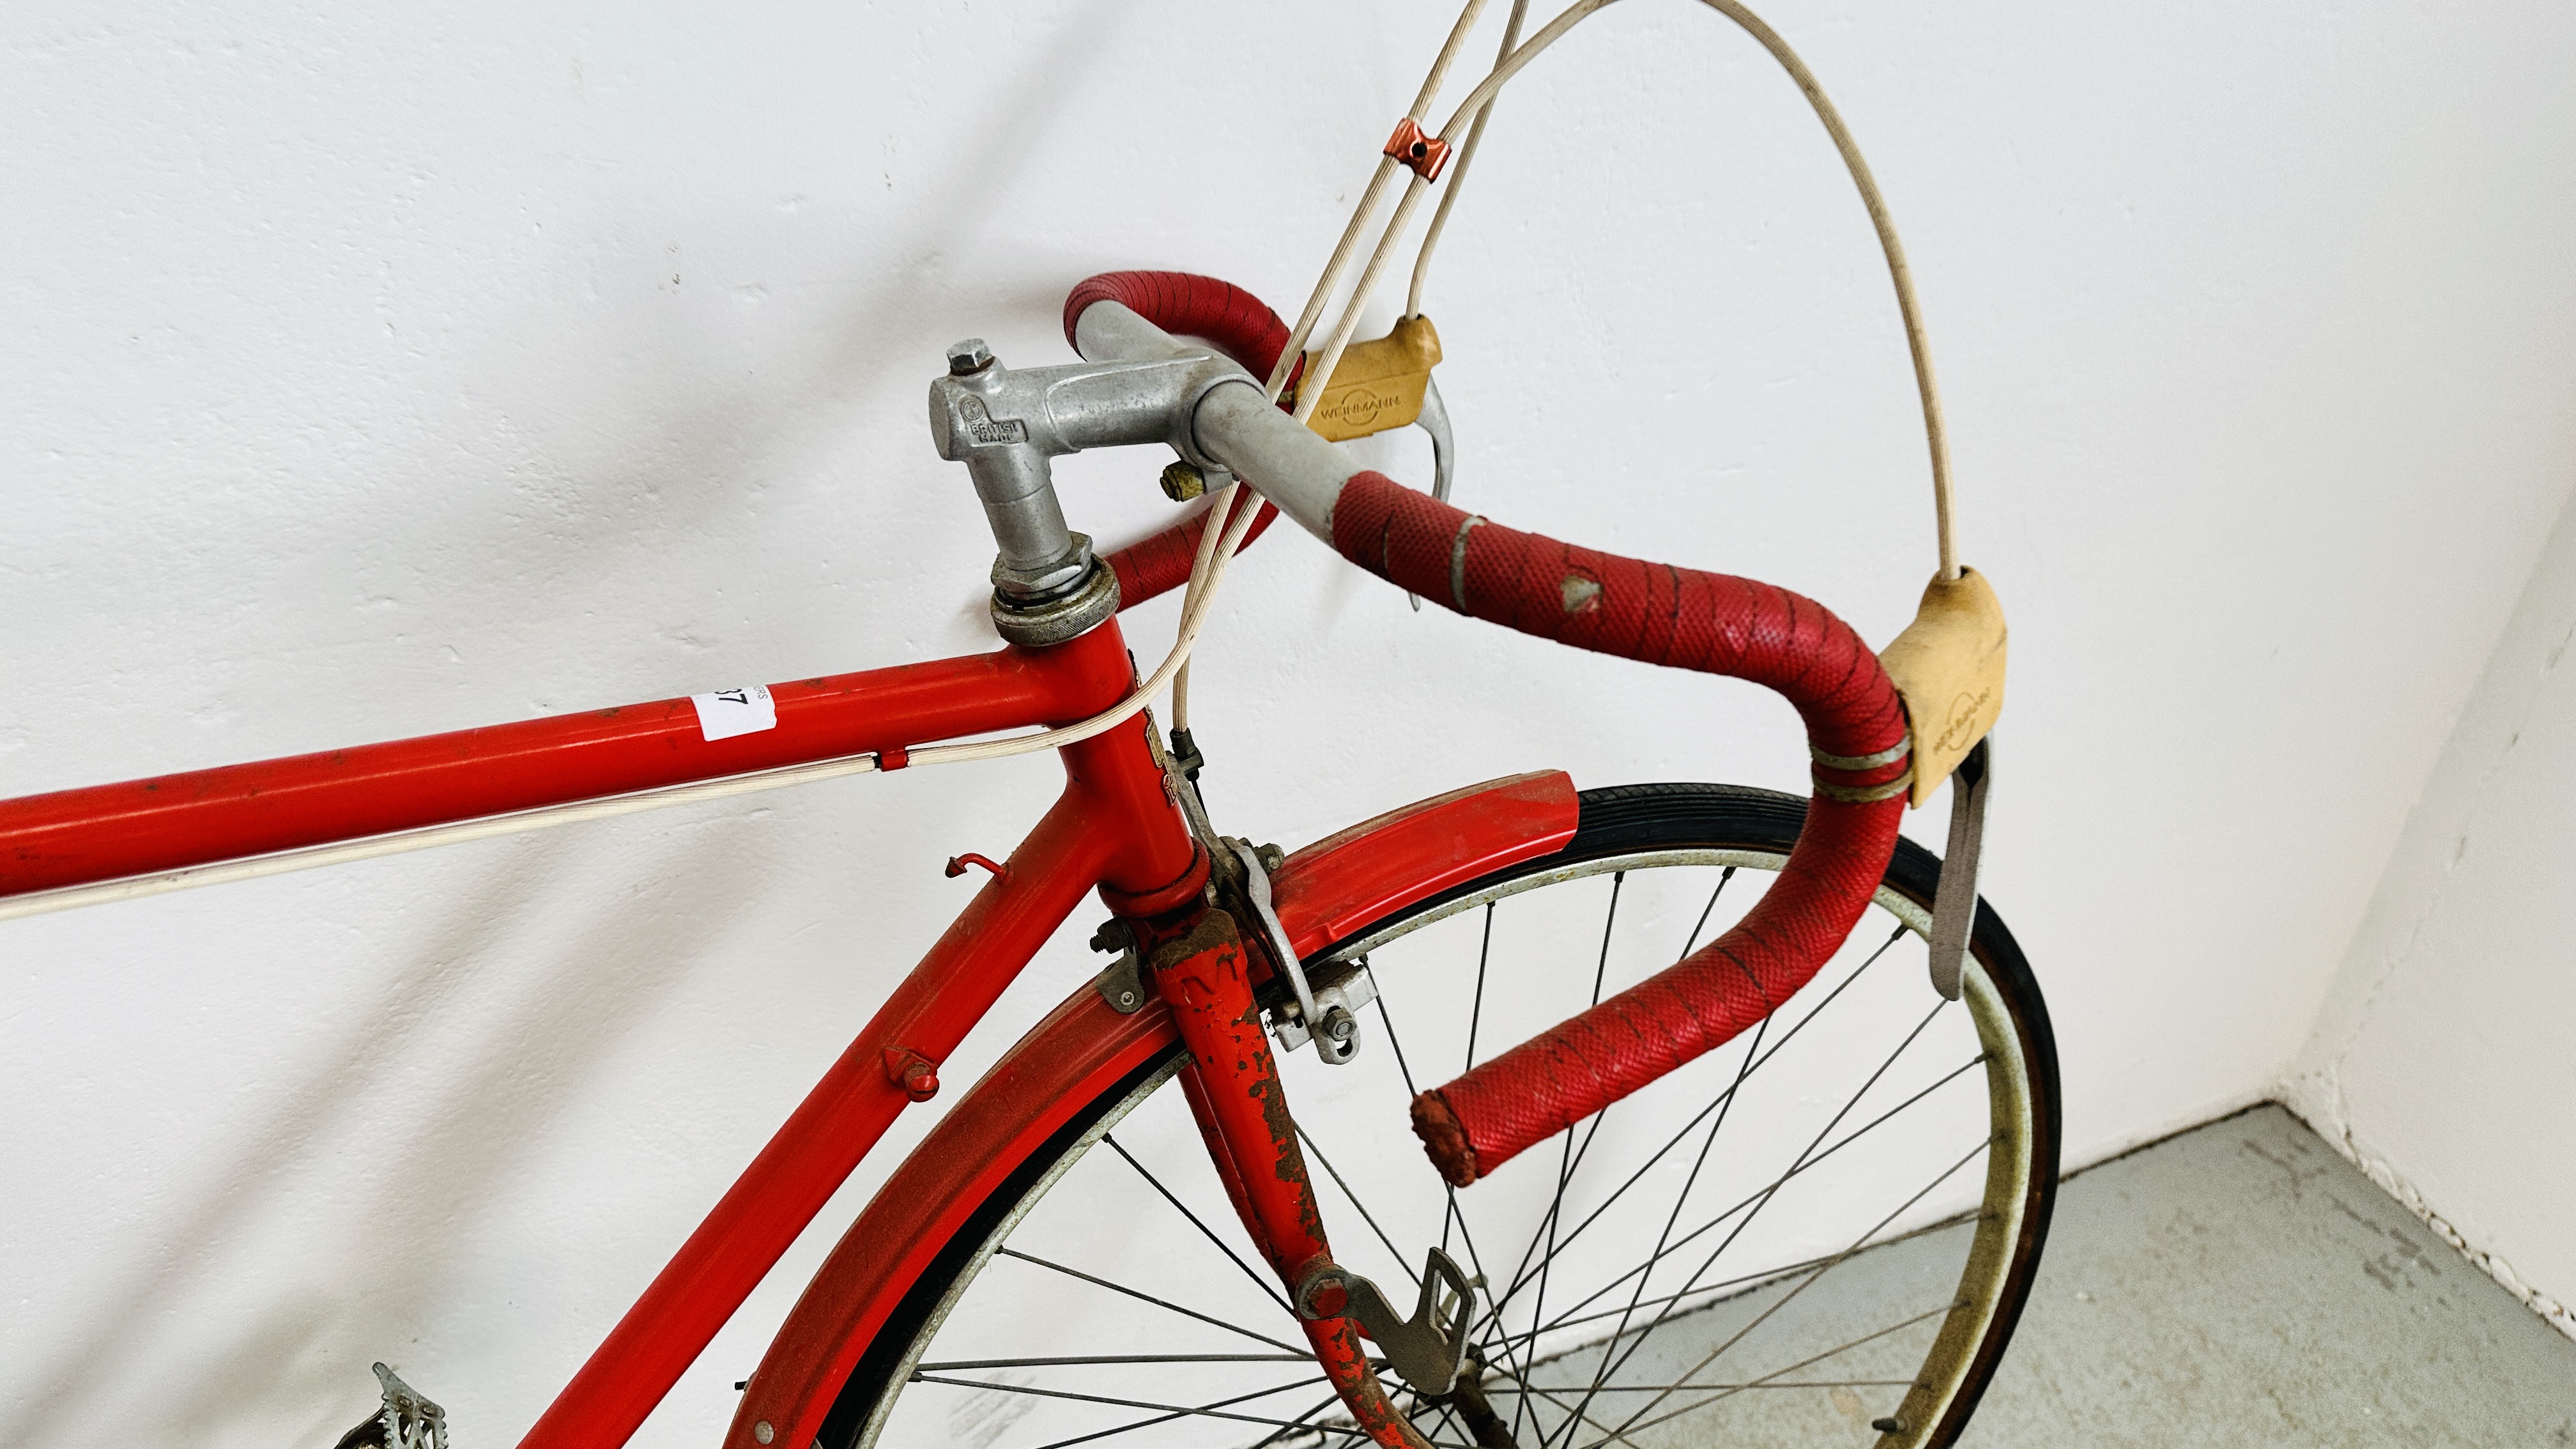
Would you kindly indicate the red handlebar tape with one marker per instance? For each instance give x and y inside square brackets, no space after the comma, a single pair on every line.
[1689,620]
[1646,611]
[1242,328]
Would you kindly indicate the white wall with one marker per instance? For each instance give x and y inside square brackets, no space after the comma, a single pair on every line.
[2439,1061]
[372,372]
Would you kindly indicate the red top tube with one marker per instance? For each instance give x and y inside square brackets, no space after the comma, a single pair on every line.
[172,822]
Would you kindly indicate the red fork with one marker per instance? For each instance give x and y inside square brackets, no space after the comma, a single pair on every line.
[1234,1091]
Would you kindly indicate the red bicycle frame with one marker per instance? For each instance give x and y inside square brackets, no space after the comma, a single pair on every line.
[1116,828]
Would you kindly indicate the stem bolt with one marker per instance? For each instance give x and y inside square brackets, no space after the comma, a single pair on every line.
[1181,482]
[969,356]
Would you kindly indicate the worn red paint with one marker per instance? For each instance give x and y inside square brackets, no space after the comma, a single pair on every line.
[1203,977]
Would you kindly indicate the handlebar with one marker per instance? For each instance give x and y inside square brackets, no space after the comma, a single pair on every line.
[1236,426]
[1653,612]
[1237,324]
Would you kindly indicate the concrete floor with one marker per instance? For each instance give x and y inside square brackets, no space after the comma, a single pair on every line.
[2241,1284]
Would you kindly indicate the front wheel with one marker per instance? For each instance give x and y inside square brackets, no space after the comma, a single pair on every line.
[1822,1232]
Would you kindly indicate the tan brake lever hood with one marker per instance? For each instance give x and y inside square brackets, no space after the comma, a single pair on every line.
[1949,667]
[1378,384]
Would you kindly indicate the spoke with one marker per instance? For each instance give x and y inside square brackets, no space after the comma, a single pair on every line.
[1209,1233]
[1146,1297]
[1756,1210]
[1566,1163]
[1450,1213]
[1664,1236]
[1211,1410]
[1410,1090]
[1819,1271]
[1365,1216]
[1863,1130]
[1583,1149]
[1555,1215]
[1871,960]
[1747,1201]
[1475,1018]
[1415,1403]
[1755,1384]
[1475,1260]
[1520,1278]
[1760,1276]
[1495,1349]
[1859,1133]
[1275,1435]
[1704,911]
[1476,1009]
[1169,1412]
[1766,1381]
[1538,1305]
[1581,1411]
[1609,923]
[1523,1389]
[1002,1363]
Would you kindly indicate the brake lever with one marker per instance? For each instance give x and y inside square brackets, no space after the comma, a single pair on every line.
[1954,899]
[1434,419]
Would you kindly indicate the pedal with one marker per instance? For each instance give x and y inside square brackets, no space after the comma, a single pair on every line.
[408,1420]
[1424,1350]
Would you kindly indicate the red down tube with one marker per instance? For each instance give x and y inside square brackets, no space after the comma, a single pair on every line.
[1690,620]
[1242,328]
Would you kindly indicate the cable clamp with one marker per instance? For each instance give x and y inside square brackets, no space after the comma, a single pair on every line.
[1888,756]
[1425,155]
[1866,794]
